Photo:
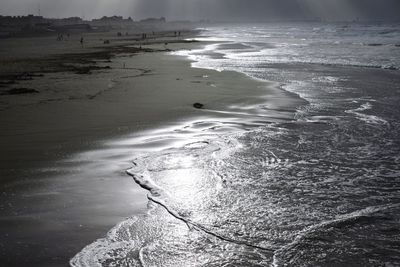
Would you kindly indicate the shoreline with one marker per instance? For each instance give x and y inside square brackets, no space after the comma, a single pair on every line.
[58,182]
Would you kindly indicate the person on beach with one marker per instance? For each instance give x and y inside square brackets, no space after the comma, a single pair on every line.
[60,37]
[81,41]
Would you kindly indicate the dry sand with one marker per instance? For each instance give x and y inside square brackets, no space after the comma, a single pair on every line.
[62,181]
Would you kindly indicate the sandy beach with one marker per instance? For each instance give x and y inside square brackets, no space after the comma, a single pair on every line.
[66,145]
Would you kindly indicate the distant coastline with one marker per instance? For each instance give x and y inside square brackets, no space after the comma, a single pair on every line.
[32,25]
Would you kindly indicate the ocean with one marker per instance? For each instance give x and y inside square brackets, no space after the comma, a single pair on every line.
[314,184]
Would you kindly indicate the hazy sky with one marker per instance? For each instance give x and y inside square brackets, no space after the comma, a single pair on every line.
[233,10]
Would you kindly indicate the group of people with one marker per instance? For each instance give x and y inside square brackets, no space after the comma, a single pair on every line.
[176,33]
[119,34]
[60,36]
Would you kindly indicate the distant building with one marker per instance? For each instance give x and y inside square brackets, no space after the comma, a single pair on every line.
[13,25]
[67,21]
[32,25]
[153,20]
[23,21]
[112,22]
[112,19]
[108,19]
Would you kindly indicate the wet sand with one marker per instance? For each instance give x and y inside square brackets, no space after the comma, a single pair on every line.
[63,180]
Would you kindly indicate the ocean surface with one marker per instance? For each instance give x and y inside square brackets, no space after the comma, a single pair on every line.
[317,186]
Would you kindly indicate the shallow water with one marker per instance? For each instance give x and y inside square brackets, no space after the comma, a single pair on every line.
[318,188]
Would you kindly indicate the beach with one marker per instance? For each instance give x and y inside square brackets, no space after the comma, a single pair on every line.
[55,198]
[271,144]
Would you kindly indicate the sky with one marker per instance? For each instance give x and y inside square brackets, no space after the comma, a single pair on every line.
[220,10]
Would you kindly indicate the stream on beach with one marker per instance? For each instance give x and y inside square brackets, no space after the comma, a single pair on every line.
[316,185]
